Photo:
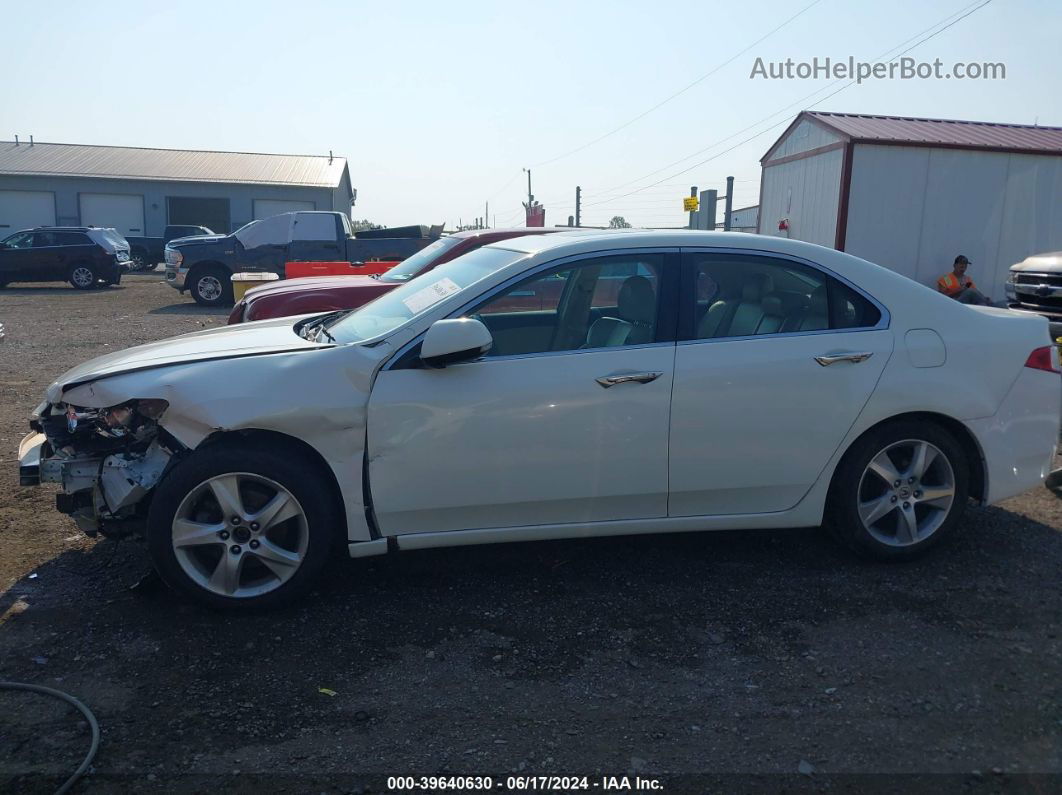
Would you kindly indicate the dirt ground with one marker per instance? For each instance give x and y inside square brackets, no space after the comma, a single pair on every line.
[729,662]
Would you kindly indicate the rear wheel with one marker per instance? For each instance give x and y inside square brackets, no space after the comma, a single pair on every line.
[900,490]
[241,527]
[83,276]
[210,287]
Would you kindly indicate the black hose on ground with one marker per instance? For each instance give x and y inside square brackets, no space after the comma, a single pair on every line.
[69,699]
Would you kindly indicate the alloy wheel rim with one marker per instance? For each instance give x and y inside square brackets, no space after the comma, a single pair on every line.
[82,276]
[906,493]
[210,288]
[240,535]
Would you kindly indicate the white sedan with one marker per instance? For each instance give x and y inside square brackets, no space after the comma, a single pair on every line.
[557,386]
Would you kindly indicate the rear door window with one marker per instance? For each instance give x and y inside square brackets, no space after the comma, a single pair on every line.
[747,295]
[71,239]
[314,226]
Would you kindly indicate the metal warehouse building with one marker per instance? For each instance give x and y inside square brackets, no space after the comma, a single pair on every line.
[139,191]
[911,194]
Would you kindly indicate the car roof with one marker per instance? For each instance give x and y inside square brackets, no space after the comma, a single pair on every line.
[507,232]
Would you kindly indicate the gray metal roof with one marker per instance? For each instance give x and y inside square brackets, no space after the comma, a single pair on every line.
[170,165]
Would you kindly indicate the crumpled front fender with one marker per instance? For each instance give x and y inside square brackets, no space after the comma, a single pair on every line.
[317,396]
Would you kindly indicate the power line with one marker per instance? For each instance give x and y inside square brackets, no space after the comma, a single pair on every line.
[681,91]
[778,124]
[799,101]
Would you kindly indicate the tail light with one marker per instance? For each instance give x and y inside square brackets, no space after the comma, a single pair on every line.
[1045,358]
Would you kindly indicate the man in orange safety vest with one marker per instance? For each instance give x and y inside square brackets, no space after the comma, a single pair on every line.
[959,286]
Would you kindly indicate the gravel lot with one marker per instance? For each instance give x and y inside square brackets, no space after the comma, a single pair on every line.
[729,661]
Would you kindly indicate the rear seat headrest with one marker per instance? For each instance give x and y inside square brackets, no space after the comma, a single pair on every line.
[756,286]
[772,305]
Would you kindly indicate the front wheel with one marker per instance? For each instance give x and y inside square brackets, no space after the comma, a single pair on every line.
[211,287]
[900,490]
[241,527]
[83,276]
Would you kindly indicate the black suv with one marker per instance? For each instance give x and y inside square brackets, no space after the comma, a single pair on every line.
[85,256]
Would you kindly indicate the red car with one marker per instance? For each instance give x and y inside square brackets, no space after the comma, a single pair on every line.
[329,293]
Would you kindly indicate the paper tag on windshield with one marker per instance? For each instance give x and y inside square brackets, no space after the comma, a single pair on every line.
[432,294]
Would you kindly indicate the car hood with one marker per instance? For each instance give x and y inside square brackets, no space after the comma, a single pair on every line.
[311,284]
[224,342]
[196,239]
[1044,263]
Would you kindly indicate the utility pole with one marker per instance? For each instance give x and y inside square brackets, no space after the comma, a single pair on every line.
[578,205]
[693,195]
[486,214]
[530,197]
[729,203]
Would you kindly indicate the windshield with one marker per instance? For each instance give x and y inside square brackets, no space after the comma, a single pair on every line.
[417,296]
[421,261]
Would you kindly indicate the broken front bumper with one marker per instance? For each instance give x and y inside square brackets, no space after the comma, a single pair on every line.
[29,459]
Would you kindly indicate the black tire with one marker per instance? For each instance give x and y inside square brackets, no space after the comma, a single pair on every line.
[210,286]
[849,489]
[83,276]
[138,260]
[298,476]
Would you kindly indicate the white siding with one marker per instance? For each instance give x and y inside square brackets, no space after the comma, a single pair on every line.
[914,209]
[745,218]
[807,192]
[804,137]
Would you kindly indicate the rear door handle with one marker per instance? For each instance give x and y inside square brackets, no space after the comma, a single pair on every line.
[832,358]
[636,378]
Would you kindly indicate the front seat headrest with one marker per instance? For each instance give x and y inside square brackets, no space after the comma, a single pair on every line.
[637,300]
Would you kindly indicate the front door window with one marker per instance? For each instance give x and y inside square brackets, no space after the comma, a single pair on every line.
[598,303]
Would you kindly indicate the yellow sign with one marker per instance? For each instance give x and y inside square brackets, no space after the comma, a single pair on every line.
[690,204]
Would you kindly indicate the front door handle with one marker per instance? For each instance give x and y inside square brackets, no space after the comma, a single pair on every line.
[636,378]
[833,358]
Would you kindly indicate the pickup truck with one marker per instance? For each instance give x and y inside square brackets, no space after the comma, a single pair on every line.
[1035,285]
[147,252]
[204,265]
[331,293]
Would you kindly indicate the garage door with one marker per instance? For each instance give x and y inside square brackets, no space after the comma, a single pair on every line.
[263,208]
[25,209]
[122,211]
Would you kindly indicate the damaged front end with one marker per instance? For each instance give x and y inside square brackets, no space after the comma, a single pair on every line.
[106,461]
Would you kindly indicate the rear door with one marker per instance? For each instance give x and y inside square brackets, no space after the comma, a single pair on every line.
[315,237]
[775,362]
[565,421]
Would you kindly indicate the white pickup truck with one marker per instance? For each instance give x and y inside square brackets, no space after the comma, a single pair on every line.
[1035,285]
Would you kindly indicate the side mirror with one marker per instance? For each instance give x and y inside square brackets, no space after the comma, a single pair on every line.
[455,340]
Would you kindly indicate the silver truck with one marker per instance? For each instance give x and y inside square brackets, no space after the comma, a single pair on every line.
[1035,285]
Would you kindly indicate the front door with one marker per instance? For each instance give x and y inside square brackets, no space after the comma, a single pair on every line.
[17,258]
[778,360]
[565,421]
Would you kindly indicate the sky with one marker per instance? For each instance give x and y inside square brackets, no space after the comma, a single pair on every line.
[439,106]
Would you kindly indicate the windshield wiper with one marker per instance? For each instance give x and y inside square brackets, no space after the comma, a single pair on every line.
[322,331]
